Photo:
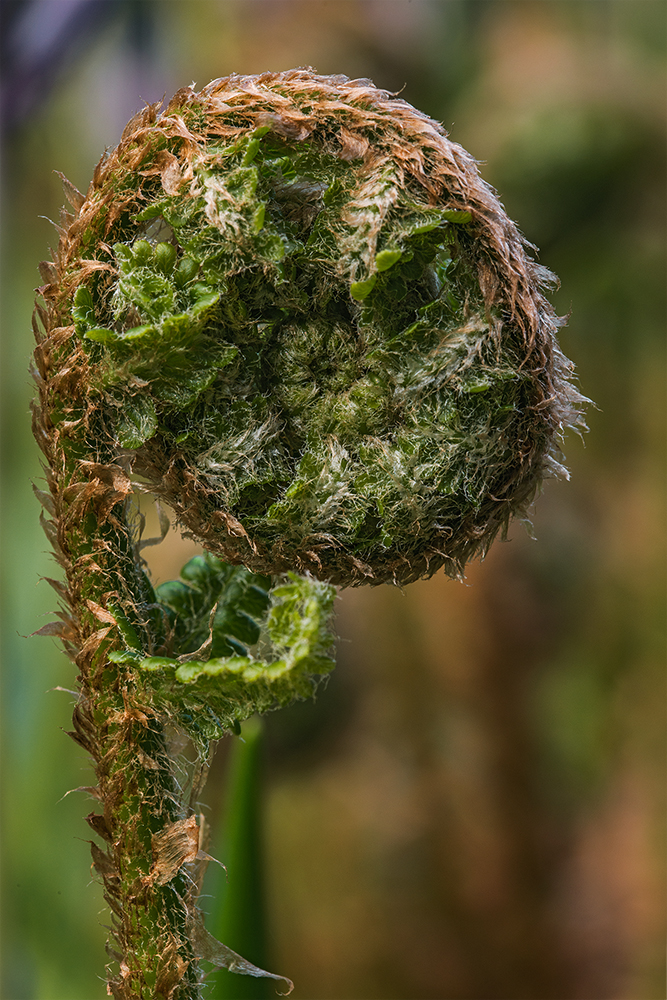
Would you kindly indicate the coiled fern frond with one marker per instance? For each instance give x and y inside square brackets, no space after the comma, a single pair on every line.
[312,329]
[289,307]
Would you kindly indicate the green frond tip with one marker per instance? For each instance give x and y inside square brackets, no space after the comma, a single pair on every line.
[261,647]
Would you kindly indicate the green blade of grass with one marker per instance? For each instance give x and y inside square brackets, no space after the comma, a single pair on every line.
[239,914]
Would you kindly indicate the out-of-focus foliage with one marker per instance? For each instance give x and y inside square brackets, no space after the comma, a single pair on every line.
[473,808]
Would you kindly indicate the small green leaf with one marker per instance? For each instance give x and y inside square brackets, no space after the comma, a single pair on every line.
[138,422]
[289,173]
[158,663]
[83,310]
[461,218]
[102,335]
[360,290]
[123,252]
[200,570]
[177,596]
[165,257]
[386,259]
[139,332]
[187,270]
[176,327]
[142,252]
[205,301]
[258,218]
[127,631]
[217,667]
[331,193]
[251,152]
[124,656]
[426,228]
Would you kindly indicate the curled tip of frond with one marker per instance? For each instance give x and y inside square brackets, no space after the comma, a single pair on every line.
[295,308]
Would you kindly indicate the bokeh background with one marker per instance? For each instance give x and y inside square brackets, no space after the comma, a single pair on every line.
[474,808]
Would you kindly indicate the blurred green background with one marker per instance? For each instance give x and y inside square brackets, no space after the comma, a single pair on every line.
[474,808]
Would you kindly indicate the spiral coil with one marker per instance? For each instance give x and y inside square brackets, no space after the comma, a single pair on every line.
[308,325]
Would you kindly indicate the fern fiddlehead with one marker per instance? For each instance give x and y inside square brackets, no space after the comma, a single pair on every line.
[289,307]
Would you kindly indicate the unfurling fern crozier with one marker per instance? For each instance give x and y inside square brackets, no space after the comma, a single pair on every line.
[289,307]
[319,335]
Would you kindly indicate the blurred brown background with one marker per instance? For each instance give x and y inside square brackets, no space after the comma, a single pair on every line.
[474,808]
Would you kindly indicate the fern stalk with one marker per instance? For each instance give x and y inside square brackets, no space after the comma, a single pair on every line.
[289,307]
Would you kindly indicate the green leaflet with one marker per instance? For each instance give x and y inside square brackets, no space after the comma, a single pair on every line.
[387,258]
[241,600]
[362,289]
[138,421]
[260,646]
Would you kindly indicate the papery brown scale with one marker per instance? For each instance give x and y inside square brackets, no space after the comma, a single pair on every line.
[60,588]
[48,271]
[134,125]
[170,973]
[102,862]
[101,171]
[180,98]
[100,613]
[72,193]
[98,823]
[93,642]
